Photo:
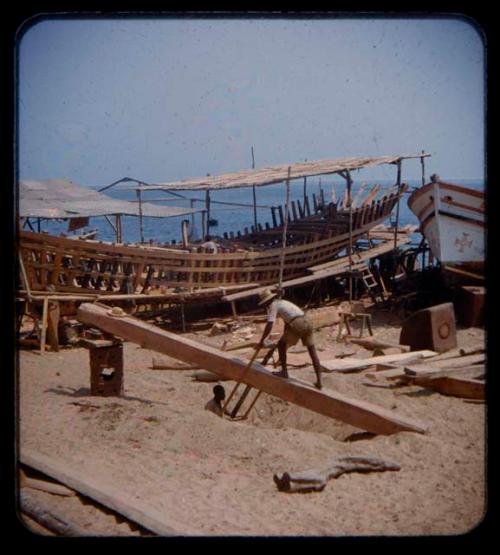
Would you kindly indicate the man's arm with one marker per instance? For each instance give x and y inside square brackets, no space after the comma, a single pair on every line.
[265,333]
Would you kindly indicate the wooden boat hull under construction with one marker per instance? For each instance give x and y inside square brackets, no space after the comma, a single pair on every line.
[452,220]
[69,266]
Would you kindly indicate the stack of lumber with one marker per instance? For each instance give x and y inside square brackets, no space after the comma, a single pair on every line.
[354,365]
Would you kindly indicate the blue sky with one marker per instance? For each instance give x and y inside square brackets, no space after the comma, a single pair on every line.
[167,99]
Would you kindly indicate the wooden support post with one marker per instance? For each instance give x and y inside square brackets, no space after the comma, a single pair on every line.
[233,309]
[204,220]
[191,204]
[347,177]
[397,205]
[141,223]
[307,208]
[183,318]
[207,207]
[300,208]
[43,333]
[273,216]
[118,220]
[305,186]
[422,163]
[24,276]
[254,194]
[280,211]
[53,314]
[361,414]
[285,226]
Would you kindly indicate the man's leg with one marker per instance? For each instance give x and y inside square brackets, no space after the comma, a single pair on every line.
[282,347]
[317,366]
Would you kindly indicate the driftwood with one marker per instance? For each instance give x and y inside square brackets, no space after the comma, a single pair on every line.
[316,479]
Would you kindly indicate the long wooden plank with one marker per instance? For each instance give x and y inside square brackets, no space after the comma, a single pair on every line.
[361,414]
[351,365]
[363,255]
[431,369]
[292,282]
[457,362]
[103,492]
[425,371]
[456,386]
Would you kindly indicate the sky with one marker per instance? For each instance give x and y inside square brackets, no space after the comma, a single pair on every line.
[167,99]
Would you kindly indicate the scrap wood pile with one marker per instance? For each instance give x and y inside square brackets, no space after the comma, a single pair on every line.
[457,372]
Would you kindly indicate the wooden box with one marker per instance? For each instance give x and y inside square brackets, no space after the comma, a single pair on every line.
[470,305]
[432,328]
[106,367]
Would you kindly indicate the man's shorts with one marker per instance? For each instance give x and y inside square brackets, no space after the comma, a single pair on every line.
[299,328]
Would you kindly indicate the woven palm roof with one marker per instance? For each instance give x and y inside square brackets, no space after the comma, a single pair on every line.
[278,174]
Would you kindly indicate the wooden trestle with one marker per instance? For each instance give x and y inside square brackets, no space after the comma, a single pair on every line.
[361,414]
[78,266]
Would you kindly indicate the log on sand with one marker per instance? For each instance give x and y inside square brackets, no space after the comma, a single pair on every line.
[316,478]
[49,519]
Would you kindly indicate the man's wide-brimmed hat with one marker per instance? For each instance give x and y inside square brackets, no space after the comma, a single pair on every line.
[265,296]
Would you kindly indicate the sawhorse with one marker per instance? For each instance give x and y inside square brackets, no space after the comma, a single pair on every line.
[347,317]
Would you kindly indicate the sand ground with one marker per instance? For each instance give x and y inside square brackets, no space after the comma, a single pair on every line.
[214,477]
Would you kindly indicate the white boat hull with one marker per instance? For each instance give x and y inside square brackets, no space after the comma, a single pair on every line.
[452,220]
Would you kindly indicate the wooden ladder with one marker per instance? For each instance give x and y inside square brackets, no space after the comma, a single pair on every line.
[376,290]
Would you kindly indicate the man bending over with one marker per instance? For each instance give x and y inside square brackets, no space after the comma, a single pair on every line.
[297,326]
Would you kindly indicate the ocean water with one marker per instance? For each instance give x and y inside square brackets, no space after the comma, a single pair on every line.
[232,218]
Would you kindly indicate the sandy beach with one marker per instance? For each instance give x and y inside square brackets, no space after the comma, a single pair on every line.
[210,476]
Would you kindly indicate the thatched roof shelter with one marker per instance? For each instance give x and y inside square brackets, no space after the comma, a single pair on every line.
[278,174]
[62,198]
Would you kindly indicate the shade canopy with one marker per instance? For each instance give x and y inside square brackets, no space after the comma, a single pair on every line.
[62,198]
[277,174]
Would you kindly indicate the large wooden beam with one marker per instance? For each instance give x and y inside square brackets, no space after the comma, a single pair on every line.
[338,270]
[361,414]
[103,492]
[467,388]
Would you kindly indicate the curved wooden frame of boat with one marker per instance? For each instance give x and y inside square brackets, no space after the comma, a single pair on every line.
[76,266]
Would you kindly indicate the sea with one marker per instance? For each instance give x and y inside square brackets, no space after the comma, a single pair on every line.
[228,217]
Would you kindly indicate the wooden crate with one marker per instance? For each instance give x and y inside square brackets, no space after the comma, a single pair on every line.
[106,367]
